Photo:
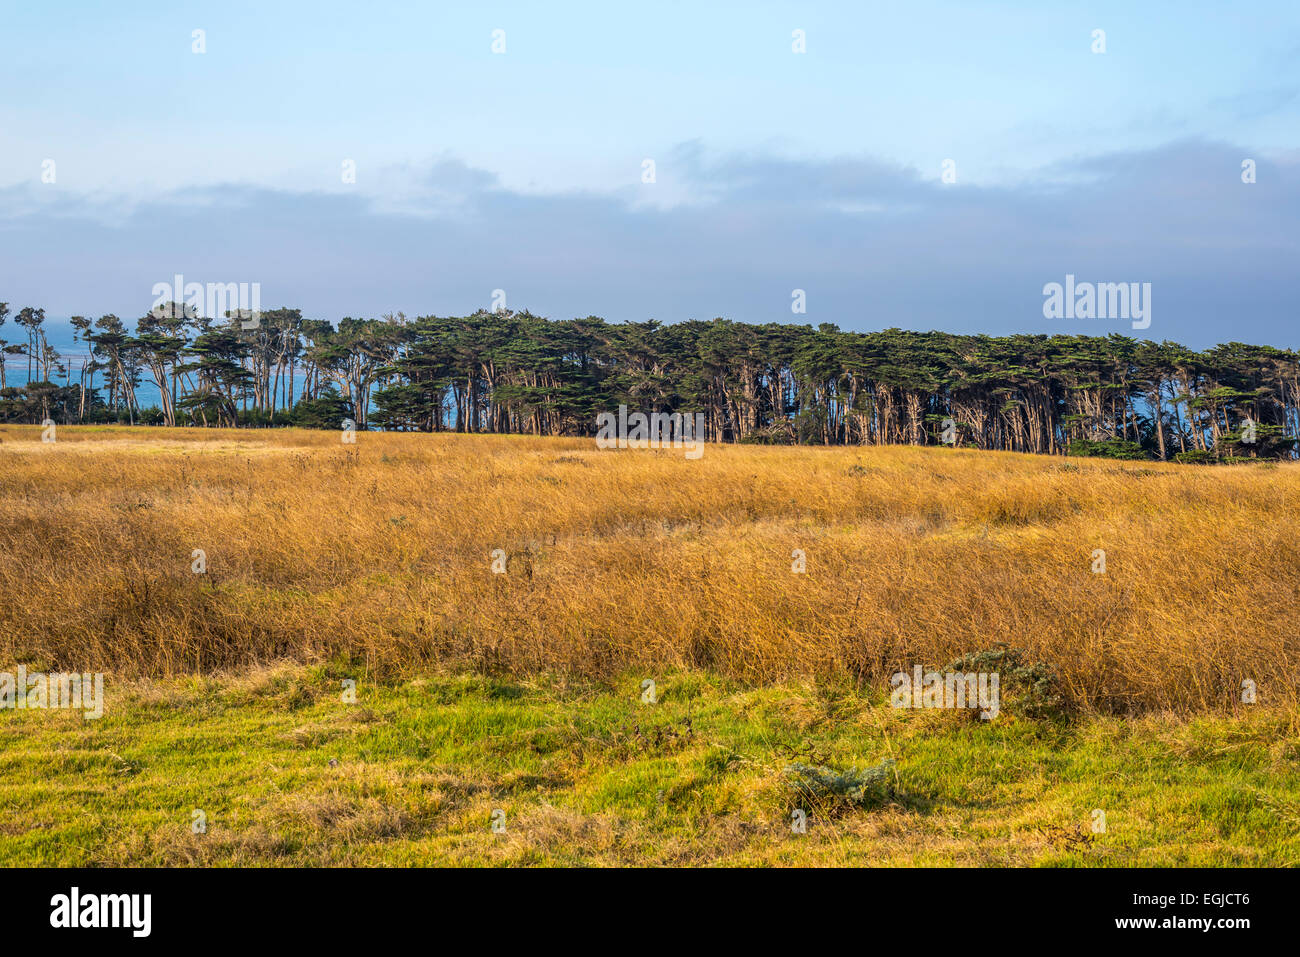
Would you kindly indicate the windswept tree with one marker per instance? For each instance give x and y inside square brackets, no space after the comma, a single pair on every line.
[353,355]
[32,320]
[215,360]
[160,342]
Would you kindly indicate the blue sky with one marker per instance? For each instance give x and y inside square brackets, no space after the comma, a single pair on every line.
[774,171]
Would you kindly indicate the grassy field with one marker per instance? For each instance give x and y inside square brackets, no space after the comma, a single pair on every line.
[286,773]
[520,692]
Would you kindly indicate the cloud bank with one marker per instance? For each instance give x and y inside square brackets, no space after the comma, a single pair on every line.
[872,245]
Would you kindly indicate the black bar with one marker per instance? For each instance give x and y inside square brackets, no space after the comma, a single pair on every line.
[644,909]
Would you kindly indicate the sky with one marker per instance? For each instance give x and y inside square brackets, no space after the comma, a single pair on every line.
[126,158]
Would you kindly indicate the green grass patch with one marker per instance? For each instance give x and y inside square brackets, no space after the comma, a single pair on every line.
[285,772]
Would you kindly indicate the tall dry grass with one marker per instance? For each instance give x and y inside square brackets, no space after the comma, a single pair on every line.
[639,559]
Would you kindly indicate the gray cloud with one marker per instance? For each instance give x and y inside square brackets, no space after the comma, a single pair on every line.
[874,245]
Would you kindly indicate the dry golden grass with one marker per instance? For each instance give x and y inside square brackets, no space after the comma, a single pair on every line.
[638,559]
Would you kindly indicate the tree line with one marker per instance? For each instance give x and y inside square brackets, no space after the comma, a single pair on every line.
[514,372]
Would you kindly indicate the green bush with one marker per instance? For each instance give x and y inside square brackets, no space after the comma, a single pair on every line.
[1027,689]
[327,412]
[1108,449]
[1195,457]
[870,787]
